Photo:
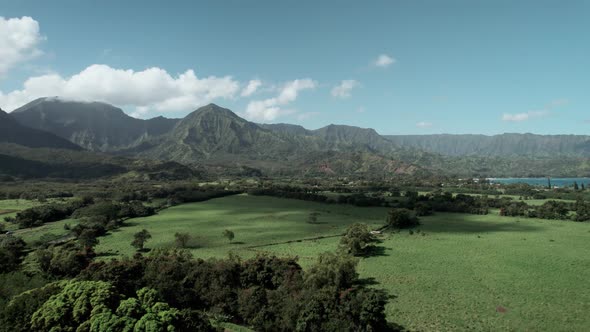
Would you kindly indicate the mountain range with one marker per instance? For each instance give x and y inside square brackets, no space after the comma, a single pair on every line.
[504,145]
[218,139]
[92,125]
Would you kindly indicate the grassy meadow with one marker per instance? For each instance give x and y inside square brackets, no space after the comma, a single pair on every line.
[256,221]
[456,272]
[10,207]
[482,273]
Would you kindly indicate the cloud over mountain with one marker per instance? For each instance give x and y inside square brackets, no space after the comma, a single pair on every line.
[518,117]
[424,124]
[251,88]
[272,108]
[152,88]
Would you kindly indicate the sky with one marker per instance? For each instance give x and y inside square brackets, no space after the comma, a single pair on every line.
[400,67]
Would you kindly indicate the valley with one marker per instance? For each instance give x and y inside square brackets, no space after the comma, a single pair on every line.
[294,166]
[215,189]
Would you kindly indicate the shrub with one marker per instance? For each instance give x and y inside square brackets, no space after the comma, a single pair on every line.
[402,218]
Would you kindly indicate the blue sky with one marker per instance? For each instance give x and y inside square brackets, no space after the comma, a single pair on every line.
[446,66]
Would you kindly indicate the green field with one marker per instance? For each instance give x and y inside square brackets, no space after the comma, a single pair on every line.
[256,221]
[467,272]
[10,207]
[56,229]
[458,275]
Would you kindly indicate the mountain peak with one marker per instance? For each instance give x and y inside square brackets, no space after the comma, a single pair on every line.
[213,109]
[92,125]
[57,103]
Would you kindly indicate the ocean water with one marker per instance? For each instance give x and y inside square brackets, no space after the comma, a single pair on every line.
[556,182]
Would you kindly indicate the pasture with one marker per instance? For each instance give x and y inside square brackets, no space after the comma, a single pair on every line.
[256,221]
[482,273]
[459,272]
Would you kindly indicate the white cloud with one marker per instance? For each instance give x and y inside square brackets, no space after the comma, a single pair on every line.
[343,90]
[557,103]
[150,89]
[518,117]
[272,108]
[384,61]
[307,115]
[252,86]
[19,38]
[361,109]
[140,112]
[424,124]
[547,110]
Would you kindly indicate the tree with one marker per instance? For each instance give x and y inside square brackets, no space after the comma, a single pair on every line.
[313,218]
[11,253]
[357,240]
[402,218]
[332,270]
[423,209]
[87,238]
[182,239]
[140,238]
[73,306]
[64,261]
[228,234]
[96,306]
[16,315]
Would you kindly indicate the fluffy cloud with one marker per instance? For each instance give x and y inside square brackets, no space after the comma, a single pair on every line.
[19,38]
[384,61]
[343,90]
[548,109]
[518,117]
[252,86]
[150,89]
[272,108]
[424,124]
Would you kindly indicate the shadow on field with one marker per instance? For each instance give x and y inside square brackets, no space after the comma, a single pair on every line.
[460,223]
[370,281]
[106,254]
[376,251]
[129,223]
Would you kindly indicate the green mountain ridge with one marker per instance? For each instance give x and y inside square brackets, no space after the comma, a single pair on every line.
[504,145]
[45,162]
[95,126]
[13,132]
[218,139]
[216,136]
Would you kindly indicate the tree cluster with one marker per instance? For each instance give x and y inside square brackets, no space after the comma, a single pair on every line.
[266,293]
[300,195]
[37,216]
